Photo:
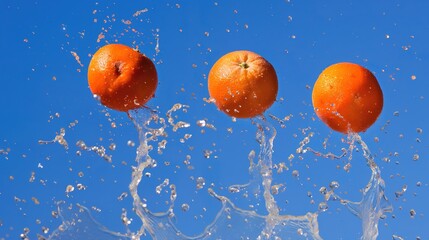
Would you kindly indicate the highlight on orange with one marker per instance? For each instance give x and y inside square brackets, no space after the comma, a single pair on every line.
[347,97]
[122,77]
[243,84]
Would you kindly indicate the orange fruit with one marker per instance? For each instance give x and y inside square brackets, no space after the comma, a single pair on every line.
[243,84]
[122,77]
[347,97]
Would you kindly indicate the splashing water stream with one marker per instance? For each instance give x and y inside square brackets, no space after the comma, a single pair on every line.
[230,222]
[374,203]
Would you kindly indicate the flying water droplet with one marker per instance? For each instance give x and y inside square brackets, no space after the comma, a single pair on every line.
[334,185]
[159,188]
[200,183]
[185,207]
[323,206]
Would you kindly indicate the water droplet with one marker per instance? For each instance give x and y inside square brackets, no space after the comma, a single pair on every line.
[45,230]
[125,220]
[161,145]
[347,167]
[396,237]
[130,143]
[295,173]
[173,193]
[401,192]
[24,235]
[69,189]
[201,123]
[32,177]
[159,188]
[35,200]
[187,161]
[122,196]
[200,183]
[80,186]
[185,207]
[96,97]
[323,206]
[112,146]
[275,189]
[334,185]
[412,213]
[81,144]
[207,153]
[234,189]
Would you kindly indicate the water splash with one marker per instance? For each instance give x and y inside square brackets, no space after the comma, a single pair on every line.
[231,222]
[276,225]
[77,223]
[59,138]
[374,203]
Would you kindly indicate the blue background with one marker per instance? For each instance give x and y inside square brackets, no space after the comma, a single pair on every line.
[40,77]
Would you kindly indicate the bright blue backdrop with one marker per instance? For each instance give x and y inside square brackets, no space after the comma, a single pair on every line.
[44,88]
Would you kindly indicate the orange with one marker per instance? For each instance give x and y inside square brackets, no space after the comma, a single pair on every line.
[347,97]
[122,77]
[243,84]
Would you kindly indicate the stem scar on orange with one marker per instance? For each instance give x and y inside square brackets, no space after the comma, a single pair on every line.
[122,77]
[347,97]
[243,84]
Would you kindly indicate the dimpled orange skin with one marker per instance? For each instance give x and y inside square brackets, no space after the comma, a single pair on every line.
[243,84]
[347,97]
[123,78]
